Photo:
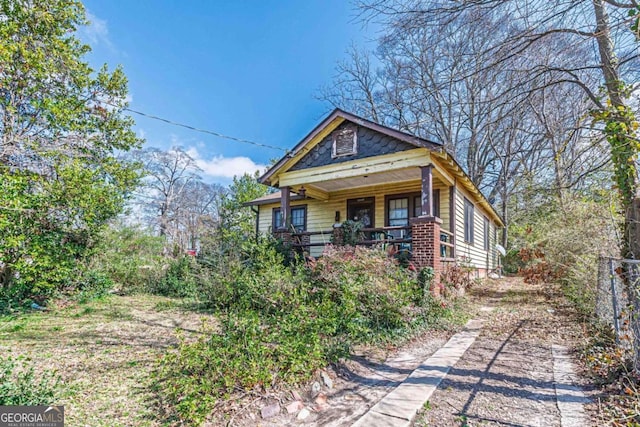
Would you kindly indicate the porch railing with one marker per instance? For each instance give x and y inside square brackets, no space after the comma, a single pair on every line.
[447,246]
[303,238]
[400,236]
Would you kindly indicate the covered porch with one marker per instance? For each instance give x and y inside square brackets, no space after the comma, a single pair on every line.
[405,202]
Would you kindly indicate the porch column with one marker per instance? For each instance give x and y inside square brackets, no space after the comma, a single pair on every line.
[425,230]
[425,236]
[285,207]
[427,191]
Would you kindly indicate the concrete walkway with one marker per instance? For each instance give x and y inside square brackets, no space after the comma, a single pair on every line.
[399,407]
[570,399]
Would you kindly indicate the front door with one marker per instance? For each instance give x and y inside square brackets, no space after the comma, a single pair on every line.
[362,210]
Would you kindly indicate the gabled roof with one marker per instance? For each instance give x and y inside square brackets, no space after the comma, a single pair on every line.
[360,121]
[338,116]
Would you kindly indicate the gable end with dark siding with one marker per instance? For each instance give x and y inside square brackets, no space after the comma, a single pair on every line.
[370,144]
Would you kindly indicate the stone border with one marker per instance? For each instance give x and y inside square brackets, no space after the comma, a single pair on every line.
[400,406]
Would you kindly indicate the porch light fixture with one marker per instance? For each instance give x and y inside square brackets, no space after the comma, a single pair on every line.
[302,192]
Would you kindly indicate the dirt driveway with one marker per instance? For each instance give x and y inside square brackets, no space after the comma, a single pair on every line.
[506,377]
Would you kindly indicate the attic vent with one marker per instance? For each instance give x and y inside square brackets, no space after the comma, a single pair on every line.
[345,142]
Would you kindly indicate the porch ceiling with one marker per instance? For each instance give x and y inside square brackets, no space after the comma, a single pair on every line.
[409,174]
[381,178]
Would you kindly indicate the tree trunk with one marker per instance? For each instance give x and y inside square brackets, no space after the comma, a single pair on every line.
[623,153]
[505,229]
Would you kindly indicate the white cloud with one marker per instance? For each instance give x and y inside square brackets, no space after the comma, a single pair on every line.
[97,32]
[224,167]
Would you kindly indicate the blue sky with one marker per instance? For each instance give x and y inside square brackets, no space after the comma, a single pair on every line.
[250,69]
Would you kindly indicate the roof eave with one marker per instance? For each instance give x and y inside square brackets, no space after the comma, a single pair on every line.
[481,196]
[258,202]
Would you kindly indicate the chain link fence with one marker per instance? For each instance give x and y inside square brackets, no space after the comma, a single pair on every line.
[618,302]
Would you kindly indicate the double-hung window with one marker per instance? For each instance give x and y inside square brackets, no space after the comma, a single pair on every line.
[298,218]
[399,212]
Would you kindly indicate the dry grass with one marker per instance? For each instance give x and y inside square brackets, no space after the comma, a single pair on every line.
[104,351]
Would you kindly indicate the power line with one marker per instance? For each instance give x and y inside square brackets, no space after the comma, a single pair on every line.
[193,128]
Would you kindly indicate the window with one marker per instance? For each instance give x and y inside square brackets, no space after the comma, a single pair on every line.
[401,207]
[486,234]
[298,218]
[399,212]
[417,204]
[345,141]
[468,221]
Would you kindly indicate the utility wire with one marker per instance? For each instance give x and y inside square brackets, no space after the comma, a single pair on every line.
[193,128]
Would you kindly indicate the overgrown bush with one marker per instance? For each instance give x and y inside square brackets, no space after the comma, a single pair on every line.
[367,287]
[19,384]
[14,298]
[251,351]
[280,324]
[179,278]
[256,277]
[456,279]
[611,368]
[536,269]
[92,285]
[553,248]
[130,257]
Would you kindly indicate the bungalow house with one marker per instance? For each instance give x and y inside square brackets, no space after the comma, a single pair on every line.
[404,191]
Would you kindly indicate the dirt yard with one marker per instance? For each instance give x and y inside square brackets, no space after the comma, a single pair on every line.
[104,352]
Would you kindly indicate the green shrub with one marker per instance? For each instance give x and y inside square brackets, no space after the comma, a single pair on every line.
[258,280]
[131,258]
[250,352]
[19,384]
[180,278]
[92,285]
[14,298]
[512,262]
[371,292]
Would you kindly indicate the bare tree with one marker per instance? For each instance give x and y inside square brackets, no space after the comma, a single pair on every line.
[168,174]
[198,217]
[432,82]
[599,27]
